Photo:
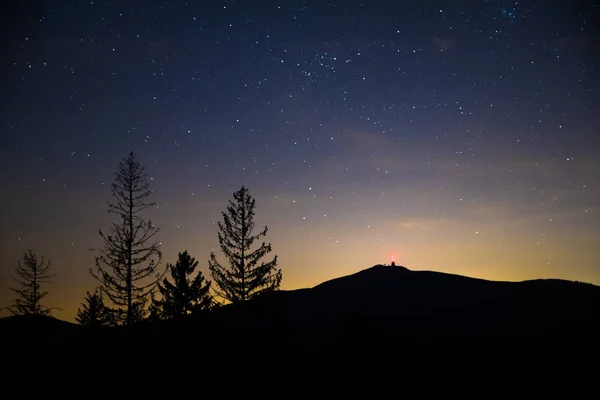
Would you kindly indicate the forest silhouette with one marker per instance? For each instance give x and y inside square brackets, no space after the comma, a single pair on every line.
[382,313]
[377,312]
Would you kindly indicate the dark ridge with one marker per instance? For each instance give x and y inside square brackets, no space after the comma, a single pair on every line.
[36,331]
[380,312]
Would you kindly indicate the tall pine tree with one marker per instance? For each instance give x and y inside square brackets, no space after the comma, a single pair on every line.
[95,313]
[183,296]
[31,275]
[244,277]
[127,265]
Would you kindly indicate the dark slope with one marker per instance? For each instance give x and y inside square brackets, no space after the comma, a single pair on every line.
[384,308]
[36,333]
[382,311]
[439,303]
[394,312]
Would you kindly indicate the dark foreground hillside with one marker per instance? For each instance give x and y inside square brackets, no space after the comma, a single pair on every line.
[382,313]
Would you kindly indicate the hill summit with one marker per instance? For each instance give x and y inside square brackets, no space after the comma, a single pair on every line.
[379,309]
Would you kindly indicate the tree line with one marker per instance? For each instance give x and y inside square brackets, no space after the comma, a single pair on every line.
[132,285]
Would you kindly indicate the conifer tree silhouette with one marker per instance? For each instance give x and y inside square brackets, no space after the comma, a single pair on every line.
[95,313]
[127,265]
[244,277]
[31,275]
[183,296]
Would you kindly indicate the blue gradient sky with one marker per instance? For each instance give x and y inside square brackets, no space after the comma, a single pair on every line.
[457,137]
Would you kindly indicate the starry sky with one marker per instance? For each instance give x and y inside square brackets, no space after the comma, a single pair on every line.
[457,136]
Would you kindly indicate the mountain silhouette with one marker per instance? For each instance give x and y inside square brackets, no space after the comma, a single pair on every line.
[382,311]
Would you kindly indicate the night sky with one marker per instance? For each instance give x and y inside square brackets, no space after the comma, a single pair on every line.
[459,136]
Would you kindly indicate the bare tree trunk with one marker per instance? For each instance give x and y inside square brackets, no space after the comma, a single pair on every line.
[129,257]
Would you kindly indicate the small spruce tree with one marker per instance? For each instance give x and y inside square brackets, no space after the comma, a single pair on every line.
[182,296]
[94,312]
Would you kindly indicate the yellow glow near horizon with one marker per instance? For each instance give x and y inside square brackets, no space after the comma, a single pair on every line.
[475,223]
